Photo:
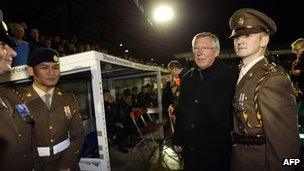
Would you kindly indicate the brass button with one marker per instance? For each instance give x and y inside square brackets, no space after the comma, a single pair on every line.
[192,125]
[24,156]
[50,127]
[19,135]
[195,101]
[51,140]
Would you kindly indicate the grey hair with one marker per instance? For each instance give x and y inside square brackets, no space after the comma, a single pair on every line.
[216,42]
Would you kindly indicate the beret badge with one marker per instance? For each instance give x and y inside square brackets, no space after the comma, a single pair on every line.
[241,21]
[56,58]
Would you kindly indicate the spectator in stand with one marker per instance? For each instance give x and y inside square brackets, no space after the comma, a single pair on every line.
[56,42]
[123,116]
[115,129]
[134,96]
[33,40]
[144,98]
[87,47]
[22,47]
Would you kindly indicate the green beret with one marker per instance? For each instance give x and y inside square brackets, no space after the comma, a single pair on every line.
[40,55]
[248,21]
[4,37]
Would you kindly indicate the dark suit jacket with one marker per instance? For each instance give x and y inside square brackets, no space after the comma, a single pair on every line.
[277,106]
[204,118]
[54,126]
[15,135]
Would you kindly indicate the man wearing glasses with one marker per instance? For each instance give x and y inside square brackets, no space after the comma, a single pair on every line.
[202,130]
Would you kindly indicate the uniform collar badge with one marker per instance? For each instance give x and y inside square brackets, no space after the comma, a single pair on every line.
[67,111]
[250,75]
[59,93]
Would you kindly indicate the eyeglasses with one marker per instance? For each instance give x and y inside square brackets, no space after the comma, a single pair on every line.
[206,49]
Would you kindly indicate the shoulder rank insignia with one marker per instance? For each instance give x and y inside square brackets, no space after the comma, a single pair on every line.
[67,112]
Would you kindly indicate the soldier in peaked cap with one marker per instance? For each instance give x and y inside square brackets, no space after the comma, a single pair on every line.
[58,132]
[265,114]
[15,118]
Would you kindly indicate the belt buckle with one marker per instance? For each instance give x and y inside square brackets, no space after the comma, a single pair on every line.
[51,151]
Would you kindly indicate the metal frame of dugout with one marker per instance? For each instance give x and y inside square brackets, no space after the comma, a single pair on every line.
[100,66]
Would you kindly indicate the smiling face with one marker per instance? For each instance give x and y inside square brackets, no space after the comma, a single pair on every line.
[46,75]
[205,52]
[6,57]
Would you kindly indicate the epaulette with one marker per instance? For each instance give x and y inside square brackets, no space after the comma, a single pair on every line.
[17,93]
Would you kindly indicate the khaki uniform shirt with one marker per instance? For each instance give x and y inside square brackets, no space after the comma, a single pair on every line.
[15,135]
[53,126]
[265,104]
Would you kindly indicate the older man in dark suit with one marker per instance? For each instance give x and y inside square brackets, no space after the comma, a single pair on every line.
[265,116]
[203,119]
[15,118]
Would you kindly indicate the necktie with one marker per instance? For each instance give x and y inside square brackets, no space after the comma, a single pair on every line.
[241,74]
[47,100]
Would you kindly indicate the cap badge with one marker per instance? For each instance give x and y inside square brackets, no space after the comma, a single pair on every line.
[29,95]
[241,21]
[56,59]
[4,26]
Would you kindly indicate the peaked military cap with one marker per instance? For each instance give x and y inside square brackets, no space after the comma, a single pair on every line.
[4,37]
[249,21]
[42,55]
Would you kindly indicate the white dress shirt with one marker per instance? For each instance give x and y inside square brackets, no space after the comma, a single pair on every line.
[246,68]
[41,93]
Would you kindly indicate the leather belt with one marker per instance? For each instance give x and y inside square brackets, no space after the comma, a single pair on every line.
[48,151]
[258,139]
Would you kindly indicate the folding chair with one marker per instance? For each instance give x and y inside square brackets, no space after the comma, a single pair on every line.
[145,126]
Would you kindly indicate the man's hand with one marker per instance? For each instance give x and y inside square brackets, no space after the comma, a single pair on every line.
[170,111]
[178,148]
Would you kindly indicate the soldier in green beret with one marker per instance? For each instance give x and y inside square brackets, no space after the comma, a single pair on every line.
[265,114]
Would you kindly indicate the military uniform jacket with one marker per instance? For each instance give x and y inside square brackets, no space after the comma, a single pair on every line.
[15,135]
[267,89]
[53,126]
[204,116]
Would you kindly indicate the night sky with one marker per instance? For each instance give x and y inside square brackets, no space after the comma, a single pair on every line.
[196,16]
[191,17]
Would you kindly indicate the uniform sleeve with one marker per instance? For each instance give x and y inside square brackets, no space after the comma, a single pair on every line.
[279,115]
[77,135]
